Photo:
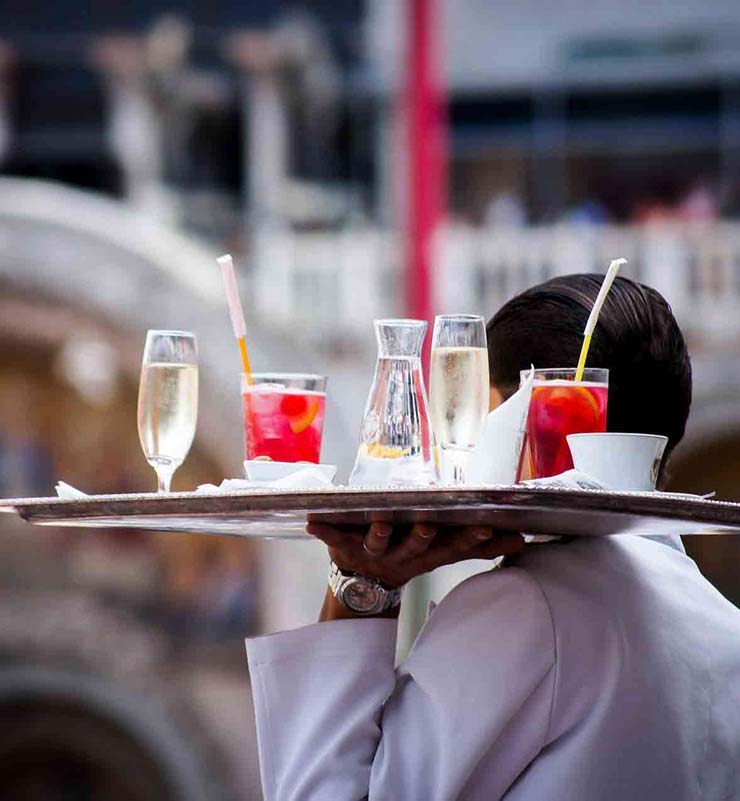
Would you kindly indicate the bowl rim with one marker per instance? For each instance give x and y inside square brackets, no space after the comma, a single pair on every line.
[616,434]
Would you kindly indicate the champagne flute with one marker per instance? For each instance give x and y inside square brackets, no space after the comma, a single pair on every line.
[459,388]
[168,401]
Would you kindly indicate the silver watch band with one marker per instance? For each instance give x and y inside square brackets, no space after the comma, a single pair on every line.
[361,594]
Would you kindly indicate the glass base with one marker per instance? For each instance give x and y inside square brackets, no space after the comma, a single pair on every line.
[455,464]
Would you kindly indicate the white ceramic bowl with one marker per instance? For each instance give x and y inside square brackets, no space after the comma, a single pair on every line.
[263,470]
[622,462]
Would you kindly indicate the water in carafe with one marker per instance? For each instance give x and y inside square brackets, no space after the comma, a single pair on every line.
[396,441]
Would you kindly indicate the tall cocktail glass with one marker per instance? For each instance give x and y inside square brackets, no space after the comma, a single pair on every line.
[459,389]
[284,416]
[168,401]
[559,406]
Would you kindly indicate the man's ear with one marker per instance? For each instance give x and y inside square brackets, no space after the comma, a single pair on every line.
[495,398]
[498,395]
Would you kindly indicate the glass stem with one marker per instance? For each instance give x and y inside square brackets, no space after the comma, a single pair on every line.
[457,461]
[164,478]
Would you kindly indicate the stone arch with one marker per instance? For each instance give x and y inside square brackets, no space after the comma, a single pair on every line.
[90,253]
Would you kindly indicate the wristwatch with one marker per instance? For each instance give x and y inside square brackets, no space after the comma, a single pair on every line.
[360,594]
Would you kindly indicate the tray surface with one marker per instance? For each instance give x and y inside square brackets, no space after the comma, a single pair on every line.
[283,514]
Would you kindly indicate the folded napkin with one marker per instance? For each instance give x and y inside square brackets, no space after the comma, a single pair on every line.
[496,459]
[307,478]
[68,492]
[570,479]
[576,479]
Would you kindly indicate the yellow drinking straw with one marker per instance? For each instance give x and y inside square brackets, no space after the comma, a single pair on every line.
[588,331]
[235,310]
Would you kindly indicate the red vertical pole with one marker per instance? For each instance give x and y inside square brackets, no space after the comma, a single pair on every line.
[426,137]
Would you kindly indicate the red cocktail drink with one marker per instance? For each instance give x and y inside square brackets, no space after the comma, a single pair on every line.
[560,406]
[284,417]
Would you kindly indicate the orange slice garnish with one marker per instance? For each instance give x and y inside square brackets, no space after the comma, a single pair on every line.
[590,398]
[378,451]
[562,393]
[299,424]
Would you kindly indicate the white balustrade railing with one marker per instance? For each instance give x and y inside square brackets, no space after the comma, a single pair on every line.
[328,286]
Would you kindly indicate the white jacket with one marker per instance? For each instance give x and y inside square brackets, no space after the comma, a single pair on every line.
[601,669]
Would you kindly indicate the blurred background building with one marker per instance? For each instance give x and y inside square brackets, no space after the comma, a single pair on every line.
[140,140]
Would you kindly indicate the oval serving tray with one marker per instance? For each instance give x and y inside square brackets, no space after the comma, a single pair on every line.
[283,514]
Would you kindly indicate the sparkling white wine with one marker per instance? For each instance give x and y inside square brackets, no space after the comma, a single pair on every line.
[168,411]
[459,395]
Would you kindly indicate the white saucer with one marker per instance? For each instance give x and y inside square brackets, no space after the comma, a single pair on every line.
[263,470]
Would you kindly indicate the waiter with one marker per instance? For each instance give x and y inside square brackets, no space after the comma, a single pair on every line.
[593,669]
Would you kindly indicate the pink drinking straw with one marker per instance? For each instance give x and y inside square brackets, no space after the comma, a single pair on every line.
[235,310]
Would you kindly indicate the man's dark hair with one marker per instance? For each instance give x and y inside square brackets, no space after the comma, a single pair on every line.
[637,338]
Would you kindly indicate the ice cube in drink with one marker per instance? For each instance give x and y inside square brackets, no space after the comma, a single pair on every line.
[283,423]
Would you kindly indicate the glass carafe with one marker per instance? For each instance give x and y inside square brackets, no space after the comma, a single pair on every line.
[396,444]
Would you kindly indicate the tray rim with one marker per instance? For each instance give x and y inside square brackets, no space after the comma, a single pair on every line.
[353,499]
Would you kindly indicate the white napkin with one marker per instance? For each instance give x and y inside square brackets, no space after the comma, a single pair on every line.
[308,478]
[570,479]
[577,479]
[496,459]
[67,491]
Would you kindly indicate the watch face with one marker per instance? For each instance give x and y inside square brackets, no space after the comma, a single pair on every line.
[361,596]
